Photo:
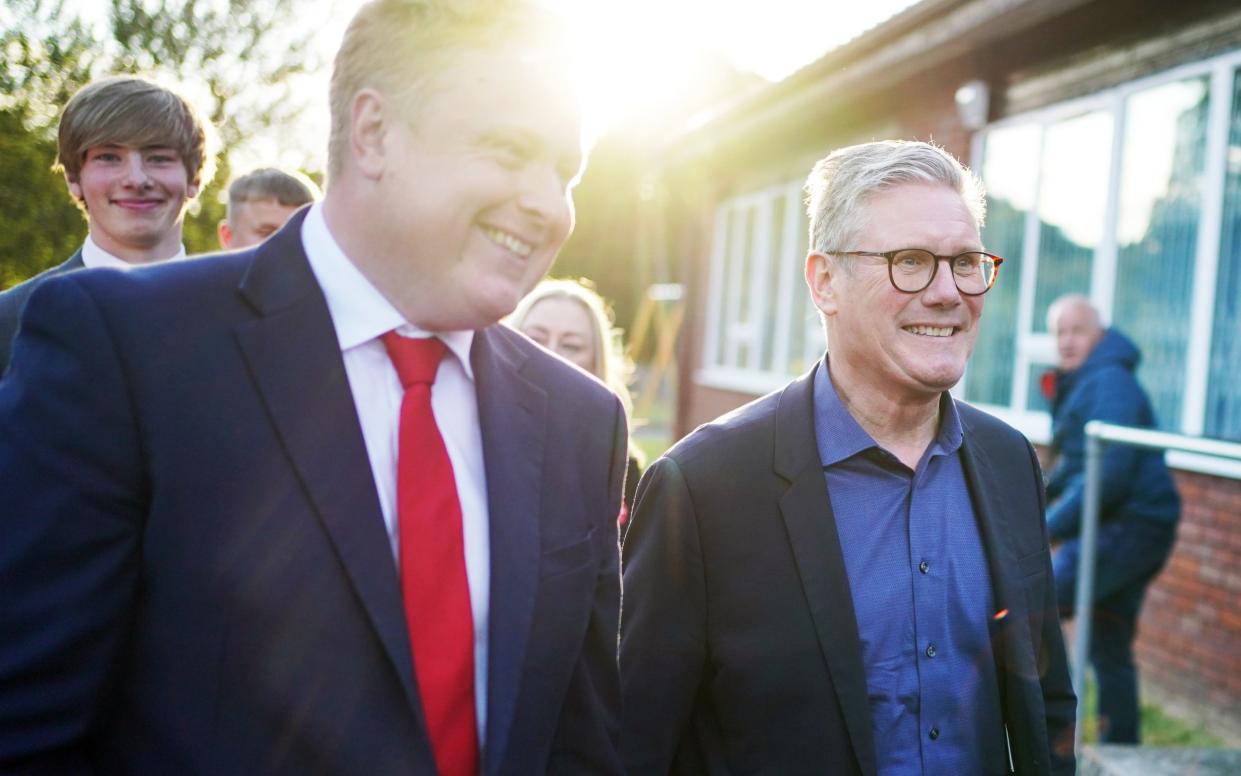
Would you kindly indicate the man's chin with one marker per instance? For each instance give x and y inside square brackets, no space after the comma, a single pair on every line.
[939,380]
[481,313]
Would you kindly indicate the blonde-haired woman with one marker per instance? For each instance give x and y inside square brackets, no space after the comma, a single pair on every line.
[569,318]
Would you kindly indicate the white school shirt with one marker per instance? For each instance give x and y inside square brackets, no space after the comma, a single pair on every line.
[361,315]
[93,256]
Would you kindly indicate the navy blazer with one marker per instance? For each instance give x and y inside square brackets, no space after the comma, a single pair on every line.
[195,571]
[739,647]
[13,301]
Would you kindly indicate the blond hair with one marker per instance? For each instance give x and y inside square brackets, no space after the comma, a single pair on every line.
[290,189]
[396,46]
[134,112]
[610,366]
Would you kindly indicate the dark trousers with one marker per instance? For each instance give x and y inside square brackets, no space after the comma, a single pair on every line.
[1130,554]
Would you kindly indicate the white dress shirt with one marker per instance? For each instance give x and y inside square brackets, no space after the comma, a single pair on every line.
[361,315]
[94,256]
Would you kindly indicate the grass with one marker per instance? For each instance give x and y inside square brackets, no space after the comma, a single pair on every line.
[1158,727]
[651,446]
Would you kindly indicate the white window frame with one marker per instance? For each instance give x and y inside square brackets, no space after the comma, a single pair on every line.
[1220,72]
[722,342]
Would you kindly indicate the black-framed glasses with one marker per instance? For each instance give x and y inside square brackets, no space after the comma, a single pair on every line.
[911,270]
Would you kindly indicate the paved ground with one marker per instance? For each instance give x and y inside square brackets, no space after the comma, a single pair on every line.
[1119,760]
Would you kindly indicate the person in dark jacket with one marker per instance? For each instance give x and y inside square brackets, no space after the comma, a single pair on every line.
[1139,508]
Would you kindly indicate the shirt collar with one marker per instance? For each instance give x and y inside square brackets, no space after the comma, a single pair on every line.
[839,435]
[359,312]
[93,256]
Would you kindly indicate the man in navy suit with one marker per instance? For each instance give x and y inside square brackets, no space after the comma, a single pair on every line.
[851,575]
[204,566]
[134,155]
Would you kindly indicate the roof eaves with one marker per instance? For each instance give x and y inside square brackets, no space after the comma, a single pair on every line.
[925,34]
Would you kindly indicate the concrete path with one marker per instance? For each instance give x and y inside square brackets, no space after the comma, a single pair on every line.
[1121,760]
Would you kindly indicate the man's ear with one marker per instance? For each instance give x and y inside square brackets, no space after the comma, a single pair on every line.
[225,233]
[370,118]
[191,190]
[822,278]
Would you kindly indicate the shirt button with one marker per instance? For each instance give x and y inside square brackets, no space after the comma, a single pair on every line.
[924,567]
[930,650]
[934,734]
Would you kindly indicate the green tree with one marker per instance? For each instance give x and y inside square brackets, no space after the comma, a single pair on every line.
[46,57]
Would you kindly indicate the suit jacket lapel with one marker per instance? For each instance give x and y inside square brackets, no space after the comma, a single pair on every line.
[990,508]
[293,355]
[808,516]
[512,413]
[1011,640]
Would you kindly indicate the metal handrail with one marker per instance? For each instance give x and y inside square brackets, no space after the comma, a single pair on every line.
[1098,434]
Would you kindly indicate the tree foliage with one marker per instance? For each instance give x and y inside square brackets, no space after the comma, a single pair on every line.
[46,58]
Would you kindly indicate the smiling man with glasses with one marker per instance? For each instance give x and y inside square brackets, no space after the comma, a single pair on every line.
[851,575]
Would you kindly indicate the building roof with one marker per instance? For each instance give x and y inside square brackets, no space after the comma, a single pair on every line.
[922,36]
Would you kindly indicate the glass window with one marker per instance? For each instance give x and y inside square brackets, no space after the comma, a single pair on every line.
[1122,225]
[1072,201]
[805,334]
[1036,399]
[1223,406]
[763,314]
[741,297]
[727,216]
[1011,172]
[1157,233]
[775,264]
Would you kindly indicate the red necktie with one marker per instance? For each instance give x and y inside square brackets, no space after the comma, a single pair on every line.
[432,561]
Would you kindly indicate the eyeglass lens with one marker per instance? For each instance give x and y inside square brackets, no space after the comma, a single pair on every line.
[913,269]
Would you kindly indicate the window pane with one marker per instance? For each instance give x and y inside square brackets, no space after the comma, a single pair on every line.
[729,216]
[1035,400]
[804,334]
[732,285]
[1157,233]
[1072,200]
[777,259]
[1010,170]
[1223,410]
[745,259]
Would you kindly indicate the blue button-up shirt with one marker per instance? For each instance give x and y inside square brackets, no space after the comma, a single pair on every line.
[921,592]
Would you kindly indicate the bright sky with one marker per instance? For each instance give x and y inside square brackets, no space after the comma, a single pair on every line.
[636,49]
[637,53]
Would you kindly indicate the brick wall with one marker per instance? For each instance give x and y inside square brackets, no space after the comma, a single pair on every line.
[1189,644]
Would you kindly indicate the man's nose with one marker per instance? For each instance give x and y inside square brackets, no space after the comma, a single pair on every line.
[943,288]
[135,170]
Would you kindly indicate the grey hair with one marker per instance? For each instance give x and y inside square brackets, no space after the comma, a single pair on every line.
[841,184]
[1068,301]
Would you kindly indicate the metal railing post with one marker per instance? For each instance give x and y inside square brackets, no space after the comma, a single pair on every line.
[1085,576]
[1098,434]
